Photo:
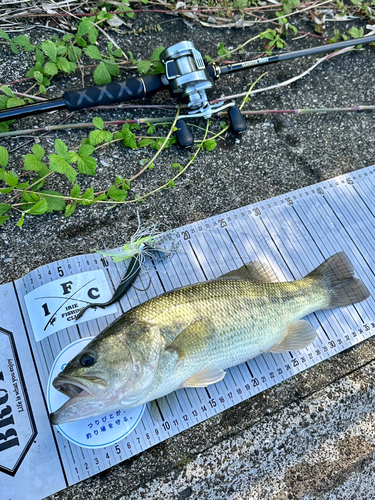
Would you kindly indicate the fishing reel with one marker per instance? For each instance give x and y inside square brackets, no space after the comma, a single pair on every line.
[189,80]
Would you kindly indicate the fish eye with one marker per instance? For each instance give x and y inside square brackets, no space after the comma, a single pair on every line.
[87,359]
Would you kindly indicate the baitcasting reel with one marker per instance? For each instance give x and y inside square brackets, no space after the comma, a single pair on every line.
[188,80]
[186,77]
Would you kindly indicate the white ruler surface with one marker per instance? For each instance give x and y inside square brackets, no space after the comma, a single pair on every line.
[294,233]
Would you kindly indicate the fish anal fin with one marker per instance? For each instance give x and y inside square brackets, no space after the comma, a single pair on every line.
[208,376]
[299,335]
[255,271]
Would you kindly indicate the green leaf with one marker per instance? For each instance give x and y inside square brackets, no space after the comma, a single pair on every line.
[240,4]
[63,64]
[70,209]
[87,197]
[86,165]
[4,157]
[113,69]
[3,219]
[101,74]
[31,162]
[11,179]
[145,142]
[3,101]
[132,57]
[158,68]
[143,66]
[355,32]
[127,10]
[84,26]
[14,101]
[4,207]
[39,208]
[7,91]
[2,174]
[4,127]
[61,49]
[76,191]
[54,204]
[117,194]
[13,48]
[93,52]
[81,42]
[93,35]
[22,40]
[86,149]
[6,190]
[75,54]
[38,151]
[49,48]
[39,56]
[210,144]
[38,76]
[58,164]
[156,54]
[21,221]
[102,196]
[177,165]
[96,137]
[61,148]
[151,129]
[129,141]
[4,35]
[117,53]
[171,183]
[27,197]
[71,157]
[50,68]
[98,122]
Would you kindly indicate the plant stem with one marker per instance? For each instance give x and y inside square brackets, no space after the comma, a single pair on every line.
[171,130]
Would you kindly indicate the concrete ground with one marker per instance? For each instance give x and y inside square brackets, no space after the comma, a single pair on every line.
[312,437]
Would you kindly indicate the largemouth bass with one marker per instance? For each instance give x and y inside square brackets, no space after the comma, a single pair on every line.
[187,337]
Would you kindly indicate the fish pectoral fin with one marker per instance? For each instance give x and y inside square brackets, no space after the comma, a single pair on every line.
[158,408]
[209,375]
[255,271]
[192,339]
[299,334]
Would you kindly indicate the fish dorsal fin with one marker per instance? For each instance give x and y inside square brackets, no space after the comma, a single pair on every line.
[299,334]
[255,271]
[209,375]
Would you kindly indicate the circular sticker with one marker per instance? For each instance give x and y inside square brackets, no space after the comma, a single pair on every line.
[91,432]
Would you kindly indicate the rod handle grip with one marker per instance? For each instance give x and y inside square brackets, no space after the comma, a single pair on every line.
[114,92]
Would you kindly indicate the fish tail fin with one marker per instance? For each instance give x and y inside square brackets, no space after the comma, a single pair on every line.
[336,275]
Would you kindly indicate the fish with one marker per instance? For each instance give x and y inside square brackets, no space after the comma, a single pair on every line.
[189,336]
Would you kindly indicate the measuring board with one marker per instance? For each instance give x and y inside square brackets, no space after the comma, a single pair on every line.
[293,233]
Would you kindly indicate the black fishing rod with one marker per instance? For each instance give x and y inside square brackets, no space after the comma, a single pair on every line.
[187,78]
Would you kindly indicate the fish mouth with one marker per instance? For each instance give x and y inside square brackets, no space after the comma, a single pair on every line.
[71,387]
[83,396]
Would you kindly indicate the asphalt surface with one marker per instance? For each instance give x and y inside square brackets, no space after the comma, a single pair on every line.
[312,437]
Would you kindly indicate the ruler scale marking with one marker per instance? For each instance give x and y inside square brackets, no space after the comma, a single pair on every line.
[292,233]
